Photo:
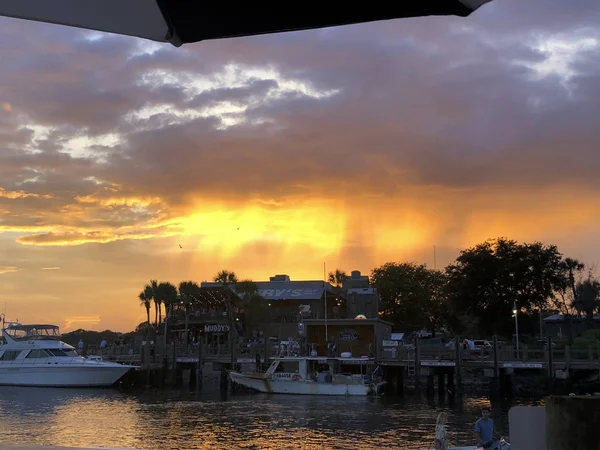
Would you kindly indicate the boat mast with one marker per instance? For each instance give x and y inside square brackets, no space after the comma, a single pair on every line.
[325,290]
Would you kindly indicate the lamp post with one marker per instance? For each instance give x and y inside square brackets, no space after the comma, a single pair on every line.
[515,311]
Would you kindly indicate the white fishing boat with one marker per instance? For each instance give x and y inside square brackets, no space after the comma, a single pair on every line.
[34,355]
[314,375]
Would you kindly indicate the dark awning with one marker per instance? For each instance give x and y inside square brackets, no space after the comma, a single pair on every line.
[184,21]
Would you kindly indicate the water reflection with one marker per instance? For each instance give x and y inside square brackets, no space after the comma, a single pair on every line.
[170,420]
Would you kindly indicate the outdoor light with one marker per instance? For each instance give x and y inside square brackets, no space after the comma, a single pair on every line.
[516,327]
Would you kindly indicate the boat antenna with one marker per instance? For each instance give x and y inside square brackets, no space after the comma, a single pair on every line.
[325,290]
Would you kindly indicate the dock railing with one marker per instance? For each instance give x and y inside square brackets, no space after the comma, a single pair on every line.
[558,356]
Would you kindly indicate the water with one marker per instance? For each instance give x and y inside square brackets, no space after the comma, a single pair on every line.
[181,420]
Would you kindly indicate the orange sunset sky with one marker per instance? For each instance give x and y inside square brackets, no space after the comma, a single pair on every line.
[352,145]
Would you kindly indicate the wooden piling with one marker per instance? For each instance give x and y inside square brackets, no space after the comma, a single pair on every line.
[430,385]
[417,363]
[458,363]
[200,365]
[550,363]
[441,383]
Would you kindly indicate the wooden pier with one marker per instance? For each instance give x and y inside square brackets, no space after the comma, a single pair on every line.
[497,363]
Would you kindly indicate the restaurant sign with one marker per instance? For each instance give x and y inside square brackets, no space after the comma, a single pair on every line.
[438,363]
[348,335]
[216,328]
[520,365]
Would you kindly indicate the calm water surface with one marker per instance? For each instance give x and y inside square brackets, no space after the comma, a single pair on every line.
[181,420]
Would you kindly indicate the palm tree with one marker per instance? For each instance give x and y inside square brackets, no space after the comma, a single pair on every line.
[167,296]
[337,278]
[246,288]
[145,299]
[256,313]
[573,266]
[588,299]
[227,278]
[189,292]
[152,288]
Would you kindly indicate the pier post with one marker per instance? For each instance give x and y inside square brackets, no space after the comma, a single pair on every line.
[550,364]
[200,363]
[496,382]
[441,383]
[400,381]
[458,363]
[430,385]
[451,386]
[417,363]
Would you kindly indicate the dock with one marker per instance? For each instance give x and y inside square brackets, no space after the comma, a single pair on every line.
[497,363]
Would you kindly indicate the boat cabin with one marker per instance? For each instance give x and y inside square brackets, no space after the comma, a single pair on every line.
[28,355]
[33,332]
[323,370]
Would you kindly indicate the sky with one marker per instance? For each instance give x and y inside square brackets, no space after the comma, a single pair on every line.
[124,160]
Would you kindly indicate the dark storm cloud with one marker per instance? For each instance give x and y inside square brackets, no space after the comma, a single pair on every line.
[448,102]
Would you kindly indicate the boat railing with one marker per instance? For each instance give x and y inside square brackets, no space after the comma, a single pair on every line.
[61,360]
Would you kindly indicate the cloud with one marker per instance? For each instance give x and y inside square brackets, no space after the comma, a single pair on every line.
[72,322]
[50,268]
[6,106]
[8,269]
[19,194]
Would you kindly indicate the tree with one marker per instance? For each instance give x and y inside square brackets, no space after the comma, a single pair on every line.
[152,288]
[337,278]
[145,298]
[167,295]
[412,295]
[190,292]
[565,295]
[588,299]
[486,280]
[227,278]
[256,312]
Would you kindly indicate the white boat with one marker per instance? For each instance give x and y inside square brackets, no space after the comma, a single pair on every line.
[34,355]
[313,375]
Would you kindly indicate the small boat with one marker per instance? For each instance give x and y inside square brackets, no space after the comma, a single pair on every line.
[314,375]
[502,445]
[34,355]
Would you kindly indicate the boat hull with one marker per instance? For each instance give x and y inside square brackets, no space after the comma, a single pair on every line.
[85,375]
[275,386]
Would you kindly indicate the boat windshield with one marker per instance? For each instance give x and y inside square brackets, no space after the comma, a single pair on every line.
[33,332]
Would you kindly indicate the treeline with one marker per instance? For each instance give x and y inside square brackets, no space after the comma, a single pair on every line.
[475,295]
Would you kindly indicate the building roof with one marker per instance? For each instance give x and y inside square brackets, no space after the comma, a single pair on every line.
[561,317]
[362,291]
[289,290]
[345,322]
[213,295]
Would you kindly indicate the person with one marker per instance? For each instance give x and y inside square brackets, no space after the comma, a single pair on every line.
[441,440]
[103,344]
[484,430]
[80,345]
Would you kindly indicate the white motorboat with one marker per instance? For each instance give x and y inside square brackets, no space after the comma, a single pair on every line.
[34,355]
[314,375]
